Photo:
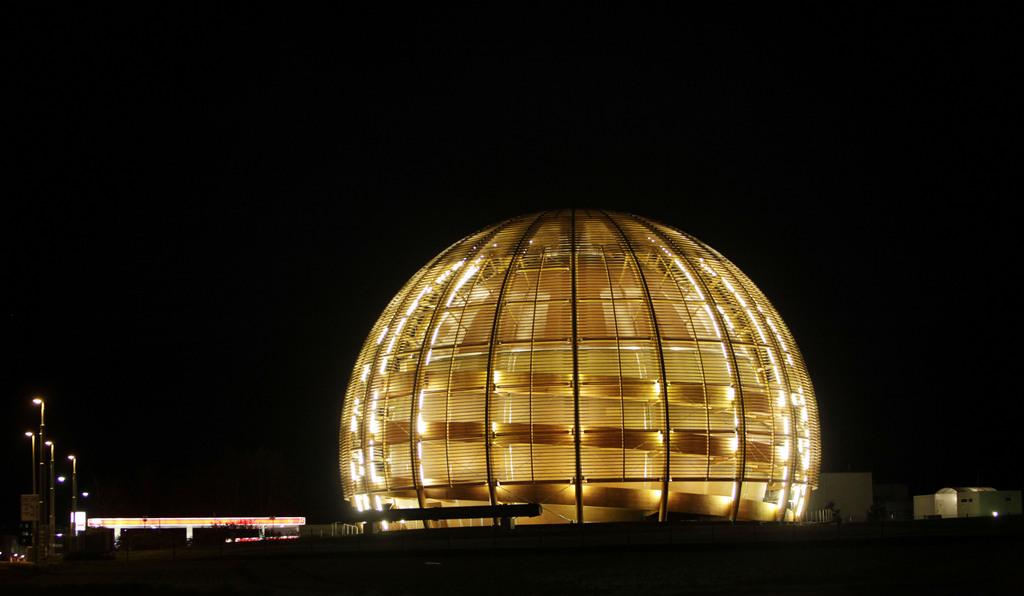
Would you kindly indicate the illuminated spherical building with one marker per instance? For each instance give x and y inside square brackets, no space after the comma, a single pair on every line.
[602,364]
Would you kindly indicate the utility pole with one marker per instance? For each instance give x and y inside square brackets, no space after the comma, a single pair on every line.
[37,537]
[52,530]
[72,536]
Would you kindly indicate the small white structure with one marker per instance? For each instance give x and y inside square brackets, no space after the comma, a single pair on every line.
[968,501]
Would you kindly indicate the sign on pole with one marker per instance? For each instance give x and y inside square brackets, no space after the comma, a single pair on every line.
[30,508]
[78,521]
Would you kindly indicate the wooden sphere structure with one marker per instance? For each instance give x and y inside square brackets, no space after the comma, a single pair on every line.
[602,364]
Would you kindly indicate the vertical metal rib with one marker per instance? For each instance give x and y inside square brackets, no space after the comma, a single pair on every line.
[533,344]
[451,360]
[663,503]
[418,371]
[618,359]
[577,431]
[727,340]
[488,391]
[703,375]
[739,279]
[788,482]
[775,341]
[404,294]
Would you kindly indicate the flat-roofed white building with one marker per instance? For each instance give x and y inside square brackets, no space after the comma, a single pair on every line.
[968,501]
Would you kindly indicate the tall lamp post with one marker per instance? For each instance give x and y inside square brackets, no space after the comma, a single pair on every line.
[40,476]
[35,480]
[52,529]
[73,529]
[35,477]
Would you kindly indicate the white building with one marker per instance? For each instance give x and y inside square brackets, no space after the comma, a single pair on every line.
[969,501]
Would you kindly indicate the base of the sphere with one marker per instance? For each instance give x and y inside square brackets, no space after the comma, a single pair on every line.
[607,501]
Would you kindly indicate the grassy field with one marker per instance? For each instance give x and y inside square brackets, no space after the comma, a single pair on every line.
[938,564]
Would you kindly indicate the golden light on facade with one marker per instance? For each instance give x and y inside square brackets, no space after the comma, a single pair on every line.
[664,362]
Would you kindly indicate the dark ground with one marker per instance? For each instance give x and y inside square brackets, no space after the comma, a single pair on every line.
[949,564]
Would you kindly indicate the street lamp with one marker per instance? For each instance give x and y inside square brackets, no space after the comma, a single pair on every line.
[74,499]
[40,476]
[35,479]
[52,529]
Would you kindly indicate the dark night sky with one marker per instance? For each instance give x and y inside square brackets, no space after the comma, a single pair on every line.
[205,212]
